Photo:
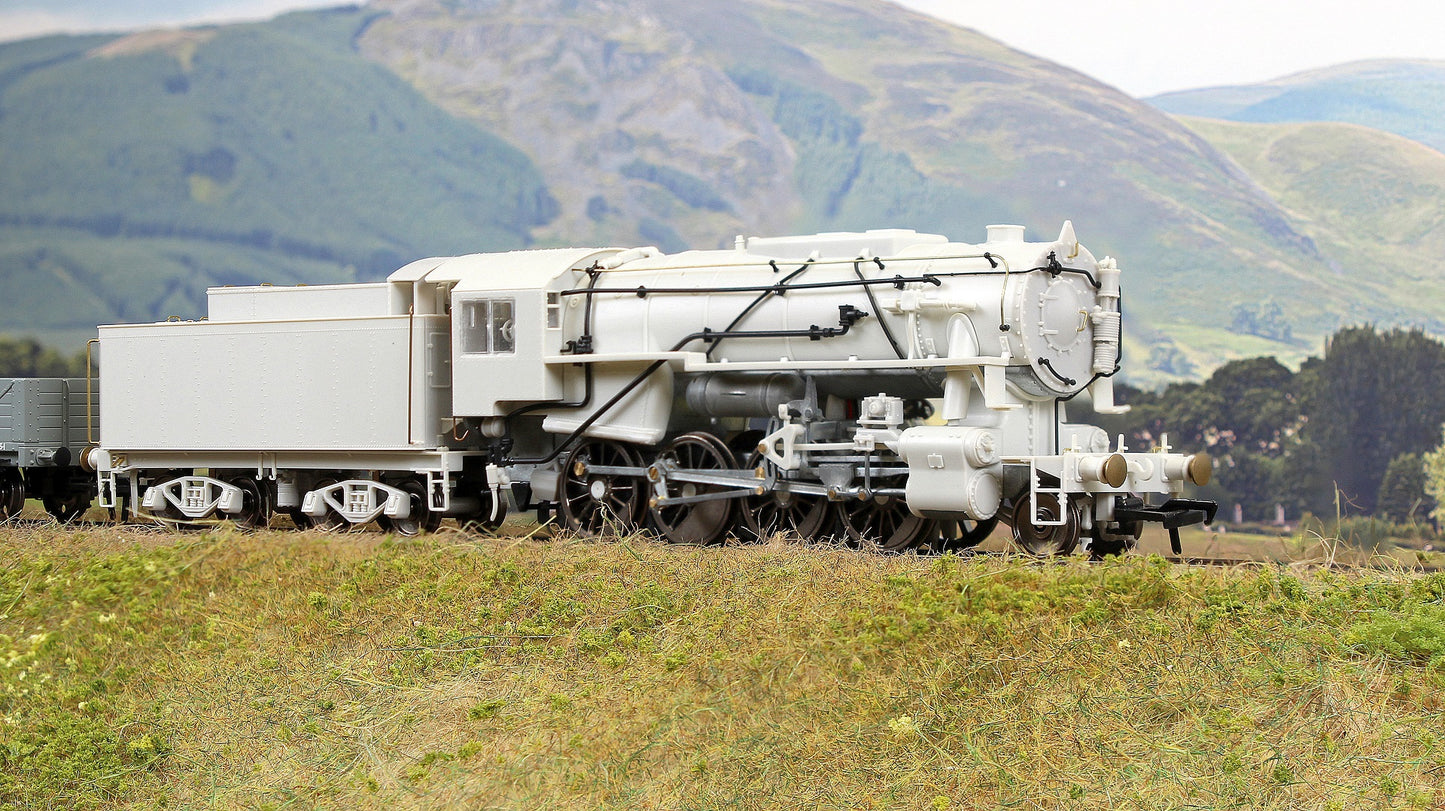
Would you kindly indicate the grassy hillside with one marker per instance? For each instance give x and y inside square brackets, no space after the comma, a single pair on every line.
[140,170]
[848,114]
[1368,198]
[337,145]
[272,670]
[1406,97]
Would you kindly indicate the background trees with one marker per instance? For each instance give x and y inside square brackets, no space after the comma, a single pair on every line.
[1355,424]
[26,357]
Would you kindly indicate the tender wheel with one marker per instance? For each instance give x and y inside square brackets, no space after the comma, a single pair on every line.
[955,536]
[601,503]
[332,521]
[483,520]
[170,518]
[167,516]
[701,522]
[1043,540]
[12,492]
[780,511]
[882,523]
[69,507]
[422,519]
[255,506]
[1113,540]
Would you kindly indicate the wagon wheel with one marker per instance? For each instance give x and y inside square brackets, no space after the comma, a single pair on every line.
[955,536]
[800,514]
[422,517]
[12,492]
[882,523]
[702,522]
[1041,539]
[255,506]
[68,507]
[599,503]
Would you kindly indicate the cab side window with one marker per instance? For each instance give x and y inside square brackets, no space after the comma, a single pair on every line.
[487,327]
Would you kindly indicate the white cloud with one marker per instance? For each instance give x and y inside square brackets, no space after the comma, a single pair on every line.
[23,23]
[27,24]
[1140,46]
[1151,46]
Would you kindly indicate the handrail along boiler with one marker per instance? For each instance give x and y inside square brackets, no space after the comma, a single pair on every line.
[783,385]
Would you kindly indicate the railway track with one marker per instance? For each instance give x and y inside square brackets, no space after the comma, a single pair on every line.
[1384,566]
[1180,560]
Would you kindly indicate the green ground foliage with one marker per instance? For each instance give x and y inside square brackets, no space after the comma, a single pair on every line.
[143,669]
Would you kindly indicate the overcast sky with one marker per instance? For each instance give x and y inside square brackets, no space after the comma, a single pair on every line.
[1140,46]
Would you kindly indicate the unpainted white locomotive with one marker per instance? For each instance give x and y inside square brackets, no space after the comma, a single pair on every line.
[783,385]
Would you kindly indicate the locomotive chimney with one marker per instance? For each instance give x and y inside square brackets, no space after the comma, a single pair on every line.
[1005,233]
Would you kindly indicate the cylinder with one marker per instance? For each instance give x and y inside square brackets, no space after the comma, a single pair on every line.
[742,395]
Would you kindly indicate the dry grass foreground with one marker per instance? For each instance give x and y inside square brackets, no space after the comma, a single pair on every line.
[141,669]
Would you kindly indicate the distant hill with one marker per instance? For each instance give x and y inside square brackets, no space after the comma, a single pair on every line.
[336,145]
[1406,97]
[852,114]
[1369,199]
[139,170]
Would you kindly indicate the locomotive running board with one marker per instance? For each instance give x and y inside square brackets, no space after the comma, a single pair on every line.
[1172,514]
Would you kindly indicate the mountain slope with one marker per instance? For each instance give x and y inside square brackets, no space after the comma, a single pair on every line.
[844,115]
[337,145]
[1369,198]
[1406,97]
[142,169]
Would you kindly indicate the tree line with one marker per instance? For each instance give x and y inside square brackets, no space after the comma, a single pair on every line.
[1347,434]
[27,357]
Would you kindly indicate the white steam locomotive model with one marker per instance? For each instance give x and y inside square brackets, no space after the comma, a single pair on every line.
[890,389]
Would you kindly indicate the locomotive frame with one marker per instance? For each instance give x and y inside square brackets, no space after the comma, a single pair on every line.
[781,386]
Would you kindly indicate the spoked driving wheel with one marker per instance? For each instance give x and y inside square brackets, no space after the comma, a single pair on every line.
[956,536]
[696,522]
[1051,530]
[597,502]
[780,510]
[882,523]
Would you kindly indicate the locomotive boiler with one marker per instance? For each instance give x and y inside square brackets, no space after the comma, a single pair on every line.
[889,389]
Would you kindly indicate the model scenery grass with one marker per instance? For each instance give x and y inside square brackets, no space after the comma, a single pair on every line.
[146,669]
